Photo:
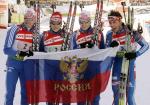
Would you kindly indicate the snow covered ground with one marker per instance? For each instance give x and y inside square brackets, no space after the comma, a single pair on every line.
[142,65]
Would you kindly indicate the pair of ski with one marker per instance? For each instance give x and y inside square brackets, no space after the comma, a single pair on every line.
[124,76]
[69,30]
[97,22]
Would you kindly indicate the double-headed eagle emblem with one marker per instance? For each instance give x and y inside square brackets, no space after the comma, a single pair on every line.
[73,68]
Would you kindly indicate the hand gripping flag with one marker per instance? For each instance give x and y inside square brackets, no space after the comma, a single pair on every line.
[68,76]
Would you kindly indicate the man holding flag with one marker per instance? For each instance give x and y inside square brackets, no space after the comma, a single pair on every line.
[18,44]
[117,36]
[53,39]
[82,38]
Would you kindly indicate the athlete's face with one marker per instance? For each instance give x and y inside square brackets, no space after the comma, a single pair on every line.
[55,26]
[29,22]
[114,23]
[85,25]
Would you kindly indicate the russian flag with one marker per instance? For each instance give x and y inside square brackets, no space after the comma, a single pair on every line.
[68,76]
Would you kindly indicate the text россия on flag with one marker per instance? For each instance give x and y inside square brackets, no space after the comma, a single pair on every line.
[68,76]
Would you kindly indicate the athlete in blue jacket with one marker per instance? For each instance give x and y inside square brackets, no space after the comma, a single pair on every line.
[18,44]
[117,36]
[82,38]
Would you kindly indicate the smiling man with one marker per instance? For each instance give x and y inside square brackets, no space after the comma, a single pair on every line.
[118,36]
[82,38]
[18,44]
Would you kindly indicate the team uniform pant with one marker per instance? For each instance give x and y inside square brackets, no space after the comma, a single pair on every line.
[12,76]
[95,101]
[116,80]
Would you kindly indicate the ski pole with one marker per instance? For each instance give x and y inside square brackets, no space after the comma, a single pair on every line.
[123,5]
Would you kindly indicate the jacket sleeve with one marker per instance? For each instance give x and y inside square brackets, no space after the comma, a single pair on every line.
[108,39]
[9,41]
[144,46]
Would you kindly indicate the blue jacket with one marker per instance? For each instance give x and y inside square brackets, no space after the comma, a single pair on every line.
[137,38]
[8,46]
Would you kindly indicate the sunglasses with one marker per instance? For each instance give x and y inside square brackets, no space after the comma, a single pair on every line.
[28,19]
[113,18]
[55,23]
[81,22]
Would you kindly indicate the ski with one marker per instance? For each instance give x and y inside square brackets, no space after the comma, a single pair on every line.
[100,24]
[125,63]
[35,45]
[66,29]
[73,18]
[69,17]
[96,14]
[97,21]
[67,36]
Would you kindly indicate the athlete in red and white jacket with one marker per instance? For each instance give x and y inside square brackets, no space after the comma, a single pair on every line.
[52,39]
[82,38]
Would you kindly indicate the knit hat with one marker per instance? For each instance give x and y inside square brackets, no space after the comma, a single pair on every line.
[84,16]
[30,14]
[56,17]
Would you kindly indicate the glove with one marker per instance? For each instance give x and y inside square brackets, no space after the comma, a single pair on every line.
[22,54]
[83,45]
[30,53]
[130,55]
[89,45]
[114,44]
